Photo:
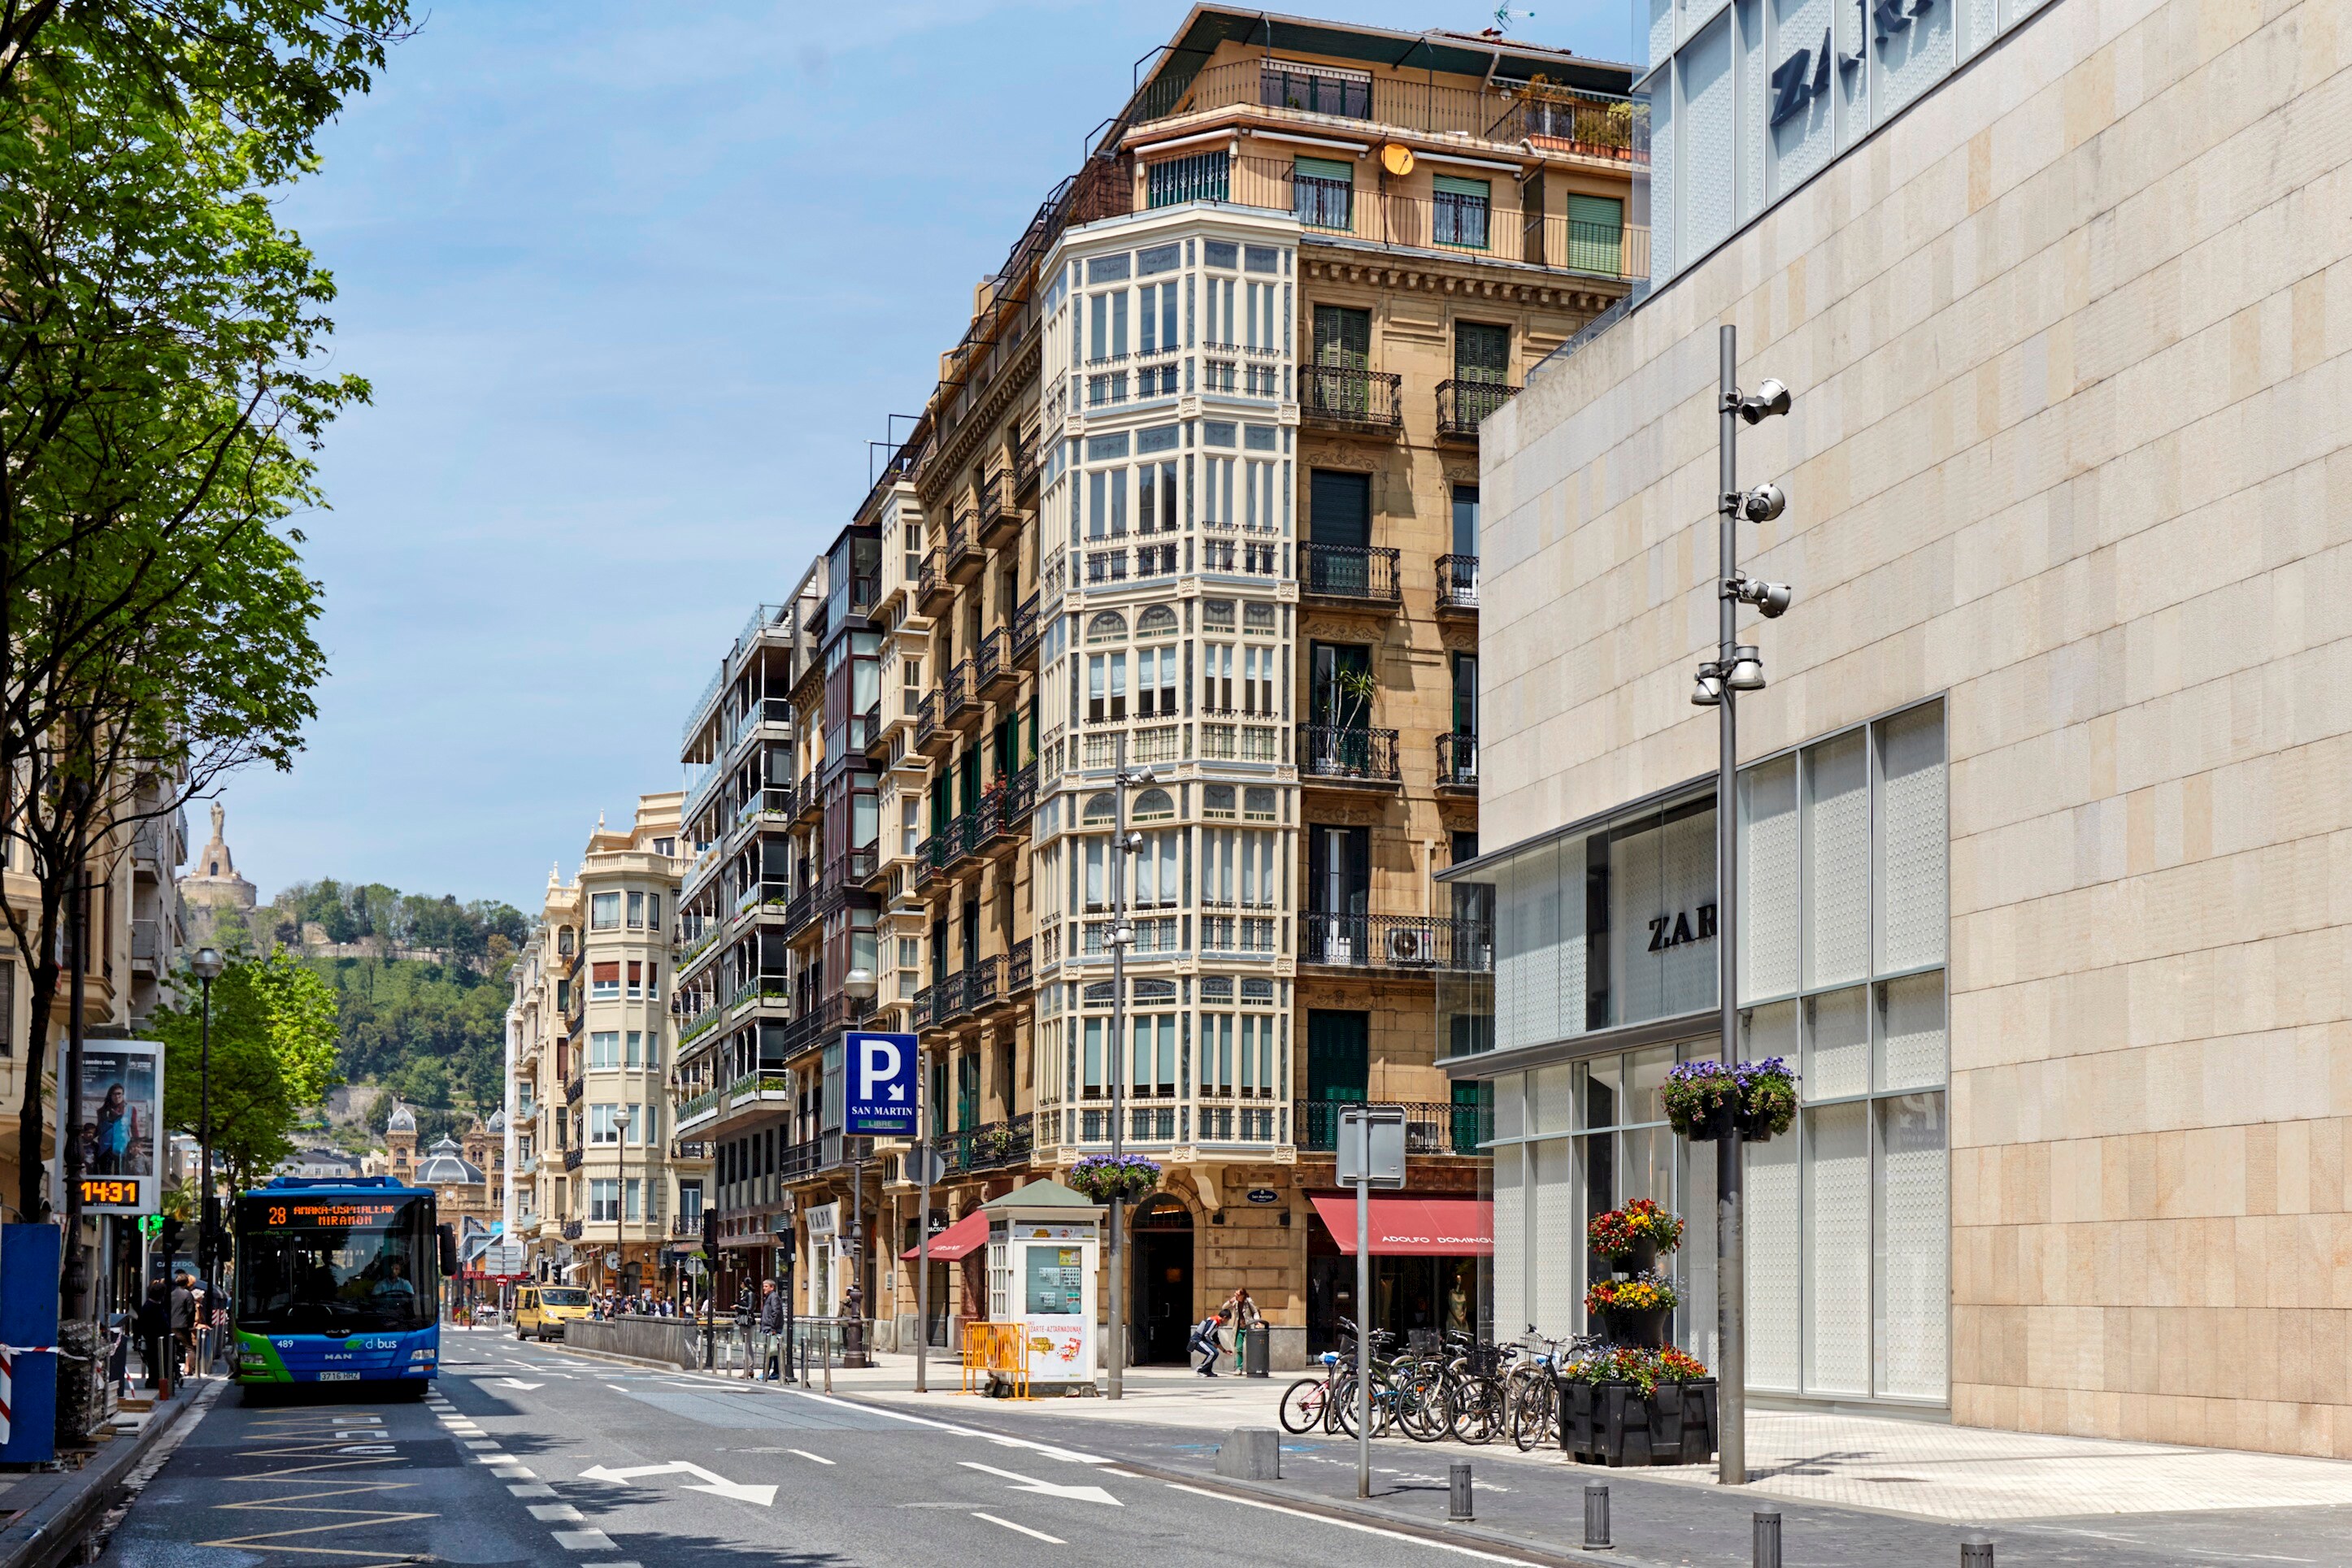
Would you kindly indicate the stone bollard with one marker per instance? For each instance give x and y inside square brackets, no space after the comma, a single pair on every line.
[1596,1515]
[1251,1454]
[1976,1554]
[1768,1538]
[1458,1491]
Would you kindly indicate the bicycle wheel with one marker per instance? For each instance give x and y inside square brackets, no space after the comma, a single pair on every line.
[1477,1409]
[1385,1405]
[1303,1404]
[1425,1405]
[1531,1414]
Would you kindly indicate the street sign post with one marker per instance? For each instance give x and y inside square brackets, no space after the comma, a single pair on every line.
[882,1085]
[1371,1155]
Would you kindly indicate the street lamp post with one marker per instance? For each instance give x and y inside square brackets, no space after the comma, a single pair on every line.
[860,987]
[1122,933]
[623,1116]
[207,966]
[1735,668]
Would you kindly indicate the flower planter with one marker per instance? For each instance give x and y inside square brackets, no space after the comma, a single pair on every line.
[1645,1328]
[1639,1259]
[1617,1425]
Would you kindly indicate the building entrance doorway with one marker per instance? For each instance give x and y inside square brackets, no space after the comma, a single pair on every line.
[1161,1233]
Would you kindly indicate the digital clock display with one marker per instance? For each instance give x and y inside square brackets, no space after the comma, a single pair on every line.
[110,1192]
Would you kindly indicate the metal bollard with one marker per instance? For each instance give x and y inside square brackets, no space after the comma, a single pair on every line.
[1976,1554]
[1768,1538]
[1596,1516]
[1457,1489]
[828,1363]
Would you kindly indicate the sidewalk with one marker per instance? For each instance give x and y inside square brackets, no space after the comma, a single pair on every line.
[1854,1492]
[47,1515]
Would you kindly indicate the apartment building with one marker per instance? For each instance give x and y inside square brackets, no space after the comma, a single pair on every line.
[608,1196]
[1198,491]
[2040,813]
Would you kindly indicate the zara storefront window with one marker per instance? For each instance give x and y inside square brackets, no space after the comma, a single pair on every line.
[1844,872]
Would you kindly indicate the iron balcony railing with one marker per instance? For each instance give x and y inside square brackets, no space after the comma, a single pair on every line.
[988,659]
[1395,942]
[574,1229]
[991,1145]
[1367,573]
[1348,753]
[1457,761]
[1025,629]
[1462,404]
[983,984]
[925,1007]
[963,546]
[1429,1129]
[573,1156]
[1020,797]
[955,690]
[1457,582]
[1020,973]
[1598,124]
[1357,399]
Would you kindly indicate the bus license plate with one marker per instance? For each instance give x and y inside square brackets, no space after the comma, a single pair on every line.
[338,1378]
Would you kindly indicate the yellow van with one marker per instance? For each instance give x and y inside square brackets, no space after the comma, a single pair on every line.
[542,1311]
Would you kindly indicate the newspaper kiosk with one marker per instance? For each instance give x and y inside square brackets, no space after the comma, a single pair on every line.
[1045,1247]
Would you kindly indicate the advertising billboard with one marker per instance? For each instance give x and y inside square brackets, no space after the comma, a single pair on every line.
[121,1134]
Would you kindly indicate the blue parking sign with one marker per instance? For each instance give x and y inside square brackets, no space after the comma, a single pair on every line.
[882,1083]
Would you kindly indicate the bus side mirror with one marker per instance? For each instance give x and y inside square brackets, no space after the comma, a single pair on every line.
[448,1252]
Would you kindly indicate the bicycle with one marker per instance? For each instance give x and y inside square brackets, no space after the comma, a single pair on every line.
[1308,1402]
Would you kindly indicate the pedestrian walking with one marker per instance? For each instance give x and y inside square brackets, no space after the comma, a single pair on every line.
[183,1321]
[1204,1342]
[1245,1315]
[154,1326]
[772,1323]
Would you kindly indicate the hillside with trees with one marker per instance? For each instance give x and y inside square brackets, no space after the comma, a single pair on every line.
[420,990]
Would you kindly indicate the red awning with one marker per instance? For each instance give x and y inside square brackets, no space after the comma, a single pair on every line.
[966,1235]
[1413,1226]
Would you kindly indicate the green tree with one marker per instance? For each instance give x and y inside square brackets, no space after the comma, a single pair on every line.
[273,1055]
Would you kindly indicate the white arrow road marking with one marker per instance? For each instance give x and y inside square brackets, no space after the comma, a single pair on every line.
[1045,1489]
[519,1382]
[814,1458]
[716,1484]
[1035,1535]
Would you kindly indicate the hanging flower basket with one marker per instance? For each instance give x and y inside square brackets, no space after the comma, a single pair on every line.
[1108,1180]
[1707,1101]
[1632,1238]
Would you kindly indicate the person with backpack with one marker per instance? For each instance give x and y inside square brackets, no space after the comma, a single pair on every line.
[1204,1342]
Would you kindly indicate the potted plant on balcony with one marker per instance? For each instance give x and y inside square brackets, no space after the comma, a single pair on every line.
[1108,1178]
[1707,1101]
[1635,1308]
[1632,1238]
[1348,707]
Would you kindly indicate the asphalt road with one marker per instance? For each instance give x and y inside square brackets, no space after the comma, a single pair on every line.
[527,1455]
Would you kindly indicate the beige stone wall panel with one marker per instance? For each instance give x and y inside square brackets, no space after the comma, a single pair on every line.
[2071,345]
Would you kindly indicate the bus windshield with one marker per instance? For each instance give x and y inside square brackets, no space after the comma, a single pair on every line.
[335,1263]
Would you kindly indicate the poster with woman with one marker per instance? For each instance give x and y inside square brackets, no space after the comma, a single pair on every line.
[121,1115]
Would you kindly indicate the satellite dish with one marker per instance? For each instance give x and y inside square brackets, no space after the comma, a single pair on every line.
[1397,158]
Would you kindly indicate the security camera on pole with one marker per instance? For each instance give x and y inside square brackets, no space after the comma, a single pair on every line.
[1737,667]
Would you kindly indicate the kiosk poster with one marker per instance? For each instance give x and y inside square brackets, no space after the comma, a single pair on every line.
[122,1118]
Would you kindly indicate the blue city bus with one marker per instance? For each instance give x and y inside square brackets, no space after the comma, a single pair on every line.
[339,1280]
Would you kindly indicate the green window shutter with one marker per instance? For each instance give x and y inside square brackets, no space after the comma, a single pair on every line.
[1451,185]
[1338,169]
[1596,234]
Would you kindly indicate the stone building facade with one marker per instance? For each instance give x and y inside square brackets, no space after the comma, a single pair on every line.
[2070,336]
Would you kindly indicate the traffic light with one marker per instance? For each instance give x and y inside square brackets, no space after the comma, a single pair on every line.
[710,1234]
[167,1238]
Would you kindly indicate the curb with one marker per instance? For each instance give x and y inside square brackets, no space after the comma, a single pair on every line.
[52,1529]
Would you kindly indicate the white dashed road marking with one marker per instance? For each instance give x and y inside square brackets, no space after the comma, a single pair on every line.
[1033,1534]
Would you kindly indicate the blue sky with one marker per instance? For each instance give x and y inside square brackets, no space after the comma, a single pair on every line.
[635,286]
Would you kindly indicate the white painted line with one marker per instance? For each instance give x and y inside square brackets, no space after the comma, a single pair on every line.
[1033,1534]
[584,1541]
[492,1458]
[804,1453]
[1350,1524]
[516,1472]
[531,1488]
[555,1512]
[1048,1450]
[1123,1475]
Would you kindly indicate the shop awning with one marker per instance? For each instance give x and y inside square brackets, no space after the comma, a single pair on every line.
[1413,1226]
[969,1234]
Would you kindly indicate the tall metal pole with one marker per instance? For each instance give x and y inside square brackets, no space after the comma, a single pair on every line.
[1118,1064]
[205,1127]
[1363,1134]
[923,1215]
[1731,1241]
[77,1268]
